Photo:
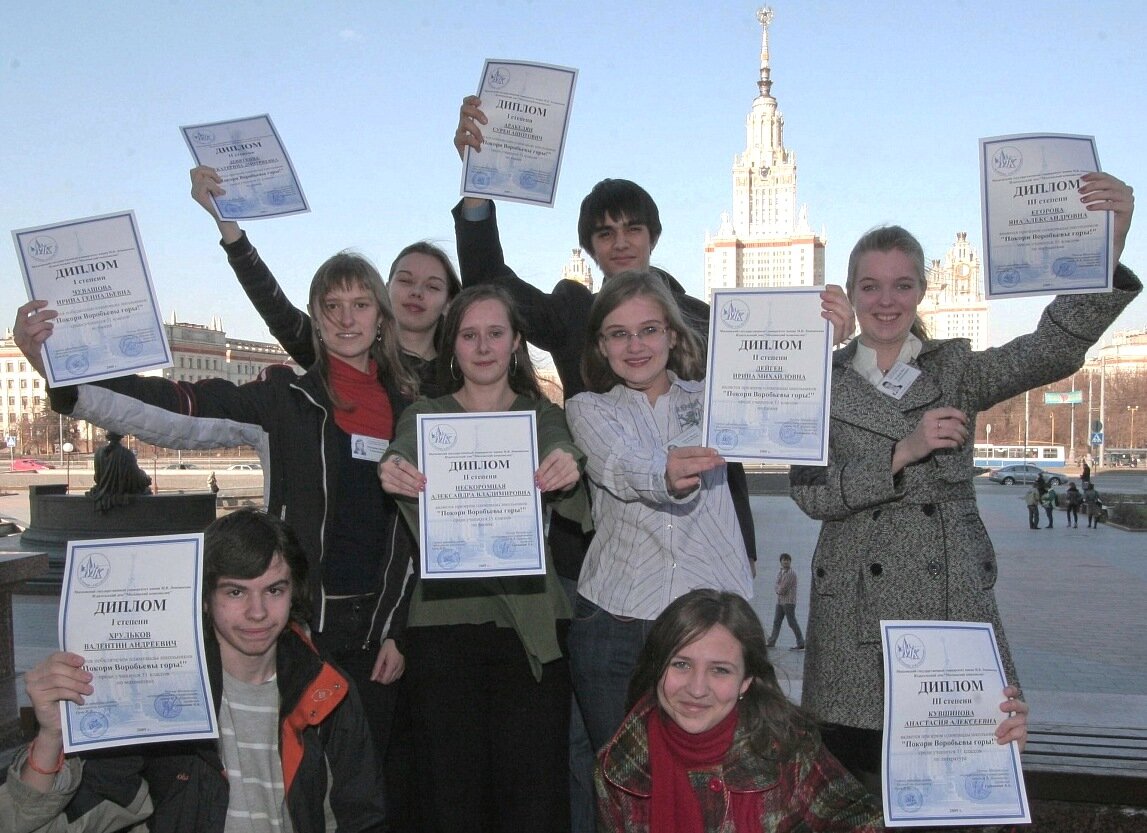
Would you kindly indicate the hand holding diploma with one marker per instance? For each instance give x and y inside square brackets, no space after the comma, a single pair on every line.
[206,186]
[1104,192]
[528,116]
[1015,727]
[57,679]
[92,272]
[558,472]
[33,326]
[685,465]
[469,134]
[835,308]
[253,162]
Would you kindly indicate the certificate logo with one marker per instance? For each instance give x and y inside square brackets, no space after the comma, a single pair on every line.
[449,559]
[791,433]
[202,137]
[443,437]
[94,724]
[94,570]
[42,247]
[1063,267]
[1007,160]
[1009,277]
[167,706]
[978,787]
[130,345]
[909,651]
[77,363]
[498,78]
[910,799]
[734,314]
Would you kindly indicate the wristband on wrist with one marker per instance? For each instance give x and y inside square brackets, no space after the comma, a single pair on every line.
[34,768]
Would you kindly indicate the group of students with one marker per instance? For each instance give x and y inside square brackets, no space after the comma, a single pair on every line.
[466,684]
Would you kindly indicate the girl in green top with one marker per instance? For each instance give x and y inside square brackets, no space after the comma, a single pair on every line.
[486,668]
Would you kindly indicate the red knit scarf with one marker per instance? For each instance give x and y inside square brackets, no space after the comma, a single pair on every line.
[674,806]
[369,412]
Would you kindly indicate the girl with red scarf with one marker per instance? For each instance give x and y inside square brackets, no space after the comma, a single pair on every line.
[712,744]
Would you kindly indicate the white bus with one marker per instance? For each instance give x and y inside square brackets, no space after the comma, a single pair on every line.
[993,456]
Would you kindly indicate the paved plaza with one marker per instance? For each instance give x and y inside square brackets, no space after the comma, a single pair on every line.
[1072,603]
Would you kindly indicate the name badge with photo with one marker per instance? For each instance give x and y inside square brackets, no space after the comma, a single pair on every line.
[898,379]
[363,447]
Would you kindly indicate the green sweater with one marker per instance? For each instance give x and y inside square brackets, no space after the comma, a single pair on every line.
[531,605]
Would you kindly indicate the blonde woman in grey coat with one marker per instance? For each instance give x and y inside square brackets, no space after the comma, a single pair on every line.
[902,537]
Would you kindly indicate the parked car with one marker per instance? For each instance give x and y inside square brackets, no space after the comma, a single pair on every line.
[28,464]
[1022,473]
[181,466]
[245,467]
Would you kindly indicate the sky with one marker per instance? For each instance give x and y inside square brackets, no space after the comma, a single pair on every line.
[883,104]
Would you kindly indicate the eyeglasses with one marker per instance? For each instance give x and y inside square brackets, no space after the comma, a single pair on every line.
[620,338]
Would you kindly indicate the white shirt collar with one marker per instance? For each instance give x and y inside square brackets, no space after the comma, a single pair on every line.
[864,360]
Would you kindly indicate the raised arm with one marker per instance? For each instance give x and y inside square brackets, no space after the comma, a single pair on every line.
[289,325]
[59,678]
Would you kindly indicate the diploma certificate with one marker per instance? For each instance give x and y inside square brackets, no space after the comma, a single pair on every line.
[528,107]
[1038,237]
[767,384]
[132,607]
[943,683]
[94,273]
[481,514]
[257,173]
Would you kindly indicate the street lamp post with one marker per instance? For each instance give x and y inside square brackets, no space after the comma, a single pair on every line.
[1132,409]
[68,448]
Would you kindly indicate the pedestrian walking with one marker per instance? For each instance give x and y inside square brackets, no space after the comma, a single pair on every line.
[786,587]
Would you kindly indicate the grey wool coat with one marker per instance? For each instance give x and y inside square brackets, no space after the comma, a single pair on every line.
[912,546]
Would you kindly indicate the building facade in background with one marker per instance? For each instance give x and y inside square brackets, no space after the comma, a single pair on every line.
[954,305]
[766,240]
[578,269]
